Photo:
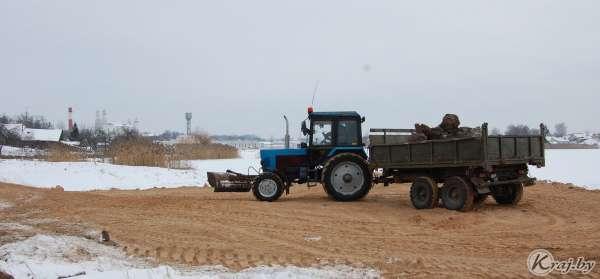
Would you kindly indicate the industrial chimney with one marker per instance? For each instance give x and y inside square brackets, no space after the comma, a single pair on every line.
[70,118]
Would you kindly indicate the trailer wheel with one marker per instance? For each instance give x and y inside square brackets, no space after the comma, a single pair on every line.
[424,193]
[268,187]
[508,194]
[346,177]
[458,194]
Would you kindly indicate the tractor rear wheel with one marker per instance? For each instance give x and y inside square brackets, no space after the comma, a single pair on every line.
[458,194]
[424,193]
[508,194]
[268,186]
[346,177]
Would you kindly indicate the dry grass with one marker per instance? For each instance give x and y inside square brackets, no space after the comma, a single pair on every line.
[64,153]
[140,151]
[137,151]
[200,147]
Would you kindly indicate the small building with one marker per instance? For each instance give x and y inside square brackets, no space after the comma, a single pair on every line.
[34,136]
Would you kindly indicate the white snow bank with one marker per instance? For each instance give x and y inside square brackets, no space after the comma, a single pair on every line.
[91,175]
[82,176]
[577,166]
[45,256]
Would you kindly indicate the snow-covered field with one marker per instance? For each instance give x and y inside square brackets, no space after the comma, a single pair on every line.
[564,165]
[48,256]
[577,166]
[81,176]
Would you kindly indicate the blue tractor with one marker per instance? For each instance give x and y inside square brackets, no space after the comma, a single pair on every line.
[334,156]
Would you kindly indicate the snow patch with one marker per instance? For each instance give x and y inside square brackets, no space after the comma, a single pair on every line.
[576,166]
[46,256]
[83,176]
[5,205]
[312,238]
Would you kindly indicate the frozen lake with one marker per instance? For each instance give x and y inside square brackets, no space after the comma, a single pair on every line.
[577,166]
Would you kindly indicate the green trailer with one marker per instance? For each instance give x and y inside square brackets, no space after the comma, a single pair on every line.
[468,169]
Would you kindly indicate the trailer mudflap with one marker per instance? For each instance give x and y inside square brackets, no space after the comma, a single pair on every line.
[230,181]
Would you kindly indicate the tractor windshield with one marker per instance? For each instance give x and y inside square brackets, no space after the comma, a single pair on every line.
[322,133]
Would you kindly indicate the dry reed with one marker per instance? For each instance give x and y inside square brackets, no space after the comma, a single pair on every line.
[64,153]
[140,151]
[137,151]
[200,147]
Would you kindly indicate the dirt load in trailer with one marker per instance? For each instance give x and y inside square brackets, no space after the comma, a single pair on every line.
[469,169]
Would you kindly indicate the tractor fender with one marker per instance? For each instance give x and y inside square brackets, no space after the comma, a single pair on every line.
[358,150]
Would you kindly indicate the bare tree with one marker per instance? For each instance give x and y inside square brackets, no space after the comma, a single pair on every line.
[35,122]
[560,129]
[495,132]
[8,137]
[5,119]
[518,130]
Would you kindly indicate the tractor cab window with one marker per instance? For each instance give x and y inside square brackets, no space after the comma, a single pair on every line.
[322,133]
[347,132]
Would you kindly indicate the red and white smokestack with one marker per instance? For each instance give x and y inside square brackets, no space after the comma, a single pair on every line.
[70,118]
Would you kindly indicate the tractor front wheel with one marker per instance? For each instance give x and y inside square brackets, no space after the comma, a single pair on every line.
[268,187]
[346,177]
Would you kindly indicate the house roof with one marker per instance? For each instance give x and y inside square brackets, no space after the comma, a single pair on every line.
[28,134]
[41,134]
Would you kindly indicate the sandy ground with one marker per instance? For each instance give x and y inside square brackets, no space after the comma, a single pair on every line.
[194,226]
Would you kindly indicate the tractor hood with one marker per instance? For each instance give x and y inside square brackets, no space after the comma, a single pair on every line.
[268,157]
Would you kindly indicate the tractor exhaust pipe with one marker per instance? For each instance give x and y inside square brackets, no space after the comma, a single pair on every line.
[287,132]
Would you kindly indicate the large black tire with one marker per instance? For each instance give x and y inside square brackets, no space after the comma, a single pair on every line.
[347,177]
[510,194]
[458,194]
[268,187]
[424,193]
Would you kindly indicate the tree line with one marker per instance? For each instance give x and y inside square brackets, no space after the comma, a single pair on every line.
[560,130]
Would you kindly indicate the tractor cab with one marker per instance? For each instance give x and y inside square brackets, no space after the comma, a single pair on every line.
[331,133]
[327,134]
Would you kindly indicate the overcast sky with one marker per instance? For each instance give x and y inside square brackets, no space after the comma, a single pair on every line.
[239,65]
